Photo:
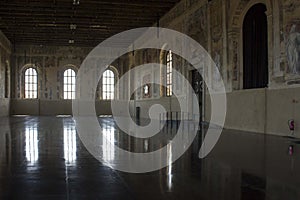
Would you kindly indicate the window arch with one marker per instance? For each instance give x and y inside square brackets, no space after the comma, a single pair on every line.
[108,85]
[255,48]
[31,83]
[169,81]
[69,84]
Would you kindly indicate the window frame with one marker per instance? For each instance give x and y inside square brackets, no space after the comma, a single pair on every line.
[30,83]
[169,75]
[69,94]
[108,88]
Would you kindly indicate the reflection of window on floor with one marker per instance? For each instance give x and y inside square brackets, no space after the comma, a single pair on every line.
[31,143]
[169,168]
[108,134]
[70,143]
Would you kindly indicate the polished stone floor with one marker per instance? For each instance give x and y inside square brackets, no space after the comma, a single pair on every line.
[43,158]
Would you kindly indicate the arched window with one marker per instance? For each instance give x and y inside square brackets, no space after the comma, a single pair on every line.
[255,44]
[108,85]
[69,84]
[31,83]
[169,73]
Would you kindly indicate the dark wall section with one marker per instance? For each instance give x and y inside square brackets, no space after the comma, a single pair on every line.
[5,54]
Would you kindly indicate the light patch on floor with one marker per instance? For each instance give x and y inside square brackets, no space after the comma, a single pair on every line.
[104,116]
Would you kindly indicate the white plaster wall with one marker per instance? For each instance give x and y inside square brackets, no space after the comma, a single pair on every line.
[283,104]
[246,110]
[4,107]
[24,107]
[52,107]
[262,110]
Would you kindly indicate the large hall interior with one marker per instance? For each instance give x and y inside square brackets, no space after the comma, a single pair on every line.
[150,99]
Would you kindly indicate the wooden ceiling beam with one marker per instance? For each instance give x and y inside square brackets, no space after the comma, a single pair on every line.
[90,8]
[86,43]
[165,4]
[34,27]
[63,16]
[48,21]
[77,21]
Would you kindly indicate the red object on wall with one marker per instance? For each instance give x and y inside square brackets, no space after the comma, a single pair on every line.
[291,125]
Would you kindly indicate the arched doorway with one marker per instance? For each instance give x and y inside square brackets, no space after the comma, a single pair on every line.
[255,48]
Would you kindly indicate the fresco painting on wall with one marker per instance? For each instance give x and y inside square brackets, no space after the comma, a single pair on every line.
[292,41]
[198,19]
[217,60]
[49,61]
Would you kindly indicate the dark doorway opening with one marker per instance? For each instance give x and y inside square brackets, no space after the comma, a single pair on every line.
[197,84]
[138,115]
[255,48]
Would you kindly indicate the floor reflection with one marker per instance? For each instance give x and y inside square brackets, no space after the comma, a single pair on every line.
[169,168]
[42,158]
[146,145]
[31,143]
[5,148]
[108,138]
[70,147]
